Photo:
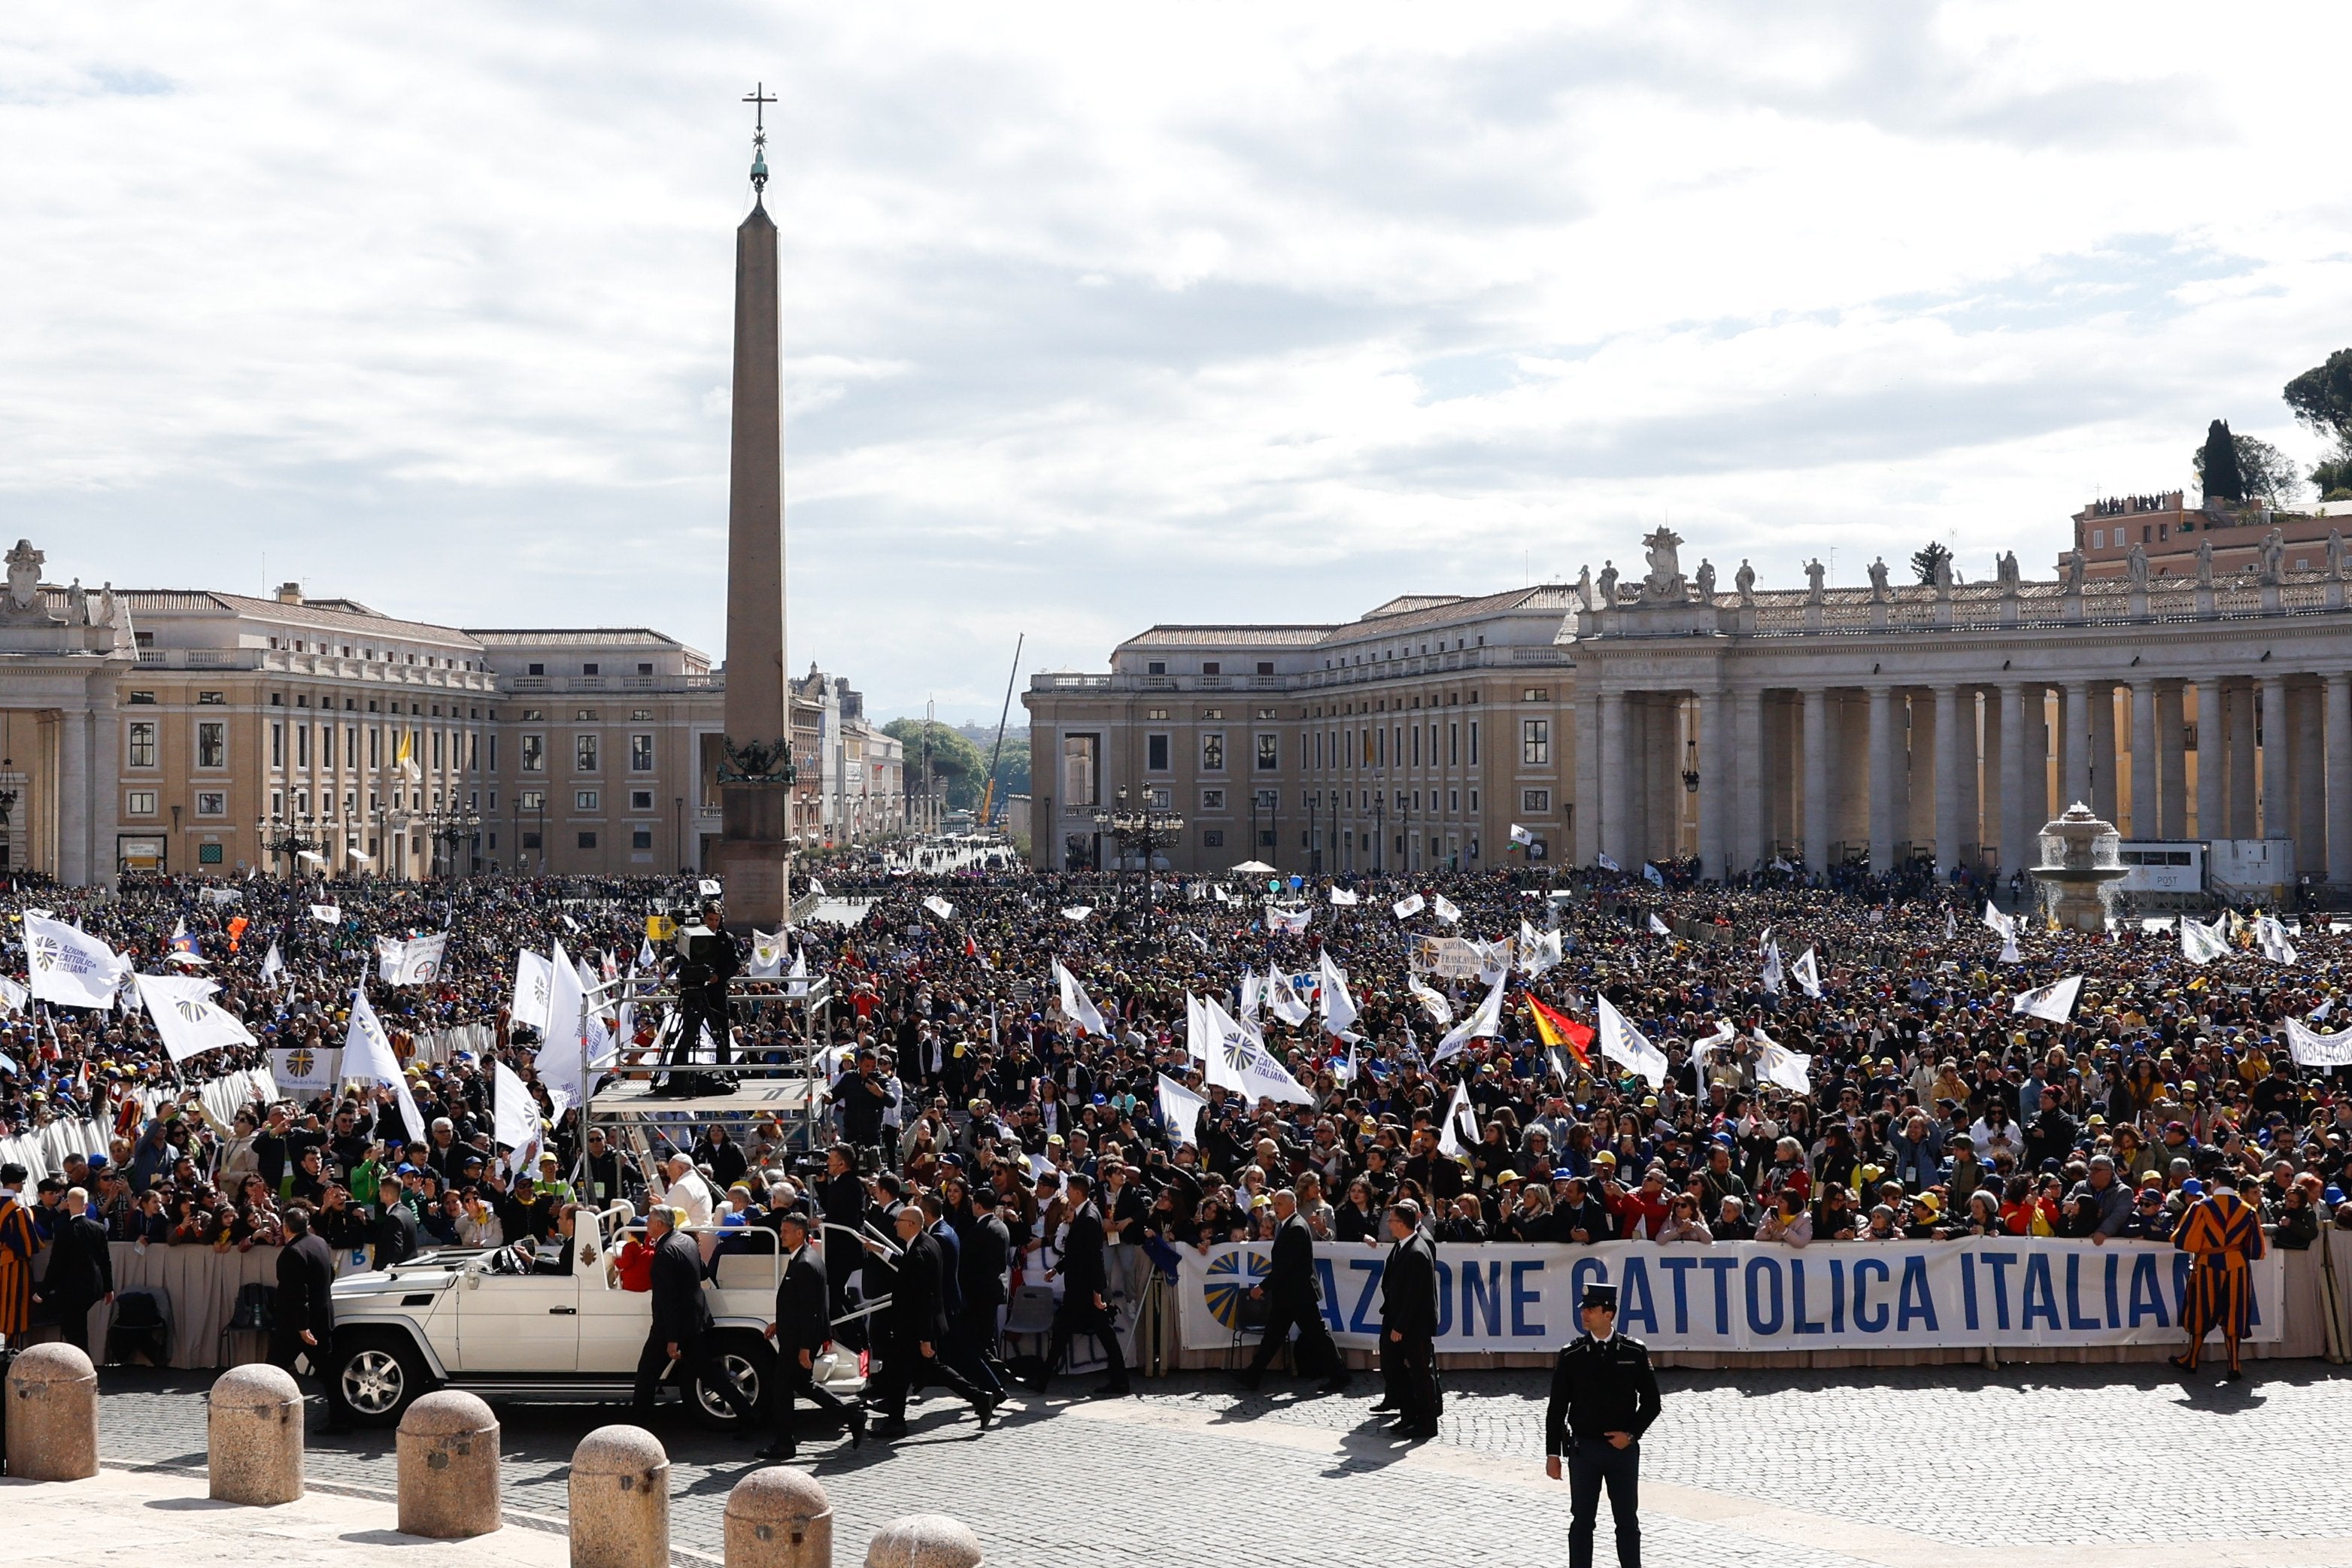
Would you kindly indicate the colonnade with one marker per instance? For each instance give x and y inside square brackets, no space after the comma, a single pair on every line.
[1967,771]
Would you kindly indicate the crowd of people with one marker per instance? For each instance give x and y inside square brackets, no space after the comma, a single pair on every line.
[962,1094]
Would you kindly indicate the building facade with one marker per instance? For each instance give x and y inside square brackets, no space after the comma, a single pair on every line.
[195,730]
[1664,718]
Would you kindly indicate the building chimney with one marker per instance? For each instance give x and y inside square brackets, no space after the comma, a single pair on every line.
[289,593]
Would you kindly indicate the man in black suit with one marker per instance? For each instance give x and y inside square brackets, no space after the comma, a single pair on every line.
[681,1329]
[915,1327]
[81,1269]
[306,1310]
[1294,1298]
[1409,1323]
[802,1328]
[1086,1280]
[983,1259]
[397,1237]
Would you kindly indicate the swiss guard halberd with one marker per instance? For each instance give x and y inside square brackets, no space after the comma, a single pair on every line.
[1603,1397]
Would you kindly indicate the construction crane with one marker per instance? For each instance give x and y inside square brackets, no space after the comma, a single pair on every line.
[988,795]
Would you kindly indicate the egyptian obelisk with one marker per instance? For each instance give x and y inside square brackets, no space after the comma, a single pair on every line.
[755,772]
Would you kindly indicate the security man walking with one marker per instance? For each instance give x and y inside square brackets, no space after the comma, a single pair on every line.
[1603,1397]
[1409,1323]
[1294,1298]
[681,1334]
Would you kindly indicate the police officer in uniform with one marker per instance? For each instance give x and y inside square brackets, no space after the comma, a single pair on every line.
[1603,1397]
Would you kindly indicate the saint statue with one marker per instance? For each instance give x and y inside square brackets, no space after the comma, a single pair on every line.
[1744,579]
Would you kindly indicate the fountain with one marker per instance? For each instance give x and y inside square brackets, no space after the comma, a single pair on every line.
[2081,859]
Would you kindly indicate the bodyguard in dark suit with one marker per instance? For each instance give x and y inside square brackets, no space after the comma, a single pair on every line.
[803,1327]
[396,1236]
[983,1258]
[1086,1280]
[1603,1397]
[681,1327]
[81,1269]
[1294,1299]
[915,1328]
[1409,1323]
[305,1326]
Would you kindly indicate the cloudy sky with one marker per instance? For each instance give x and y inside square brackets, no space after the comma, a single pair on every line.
[1108,315]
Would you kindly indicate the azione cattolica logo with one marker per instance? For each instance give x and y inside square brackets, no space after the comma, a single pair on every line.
[192,1008]
[300,1061]
[47,951]
[1229,1281]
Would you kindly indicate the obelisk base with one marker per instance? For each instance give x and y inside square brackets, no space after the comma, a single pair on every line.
[754,878]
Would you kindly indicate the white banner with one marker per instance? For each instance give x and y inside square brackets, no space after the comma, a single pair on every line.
[1753,1296]
[2312,1048]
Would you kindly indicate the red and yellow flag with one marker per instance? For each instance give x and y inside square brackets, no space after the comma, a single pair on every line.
[1558,1028]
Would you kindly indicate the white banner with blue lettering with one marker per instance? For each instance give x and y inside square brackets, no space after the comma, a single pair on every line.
[1753,1296]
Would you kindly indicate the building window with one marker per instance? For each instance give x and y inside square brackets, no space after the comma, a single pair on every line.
[1535,741]
[143,743]
[1473,739]
[141,699]
[208,854]
[212,802]
[531,841]
[1269,753]
[1266,666]
[1212,800]
[1156,667]
[644,667]
[640,716]
[534,754]
[583,716]
[1535,695]
[1155,716]
[641,838]
[302,744]
[534,669]
[588,841]
[1268,800]
[1213,838]
[1160,799]
[533,714]
[1474,799]
[1211,667]
[1081,770]
[531,799]
[583,799]
[139,803]
[641,799]
[211,700]
[641,754]
[588,669]
[1212,753]
[1155,754]
[584,753]
[2098,539]
[211,744]
[1536,802]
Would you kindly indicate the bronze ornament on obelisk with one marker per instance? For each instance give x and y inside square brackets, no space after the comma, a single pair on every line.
[755,769]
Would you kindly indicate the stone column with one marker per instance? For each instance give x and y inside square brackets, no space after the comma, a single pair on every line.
[1884,794]
[1947,778]
[2310,783]
[73,797]
[2278,775]
[1971,784]
[2246,819]
[2105,796]
[2015,852]
[105,794]
[1750,787]
[2075,745]
[2337,724]
[2145,811]
[2171,763]
[1817,778]
[2213,761]
[1714,788]
[1616,809]
[1916,751]
[1585,840]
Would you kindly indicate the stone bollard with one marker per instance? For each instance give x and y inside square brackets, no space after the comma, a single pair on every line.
[254,1435]
[448,1446]
[620,1499]
[53,1415]
[779,1518]
[924,1541]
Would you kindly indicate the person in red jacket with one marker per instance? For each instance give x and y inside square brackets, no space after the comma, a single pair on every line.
[1642,1211]
[634,1261]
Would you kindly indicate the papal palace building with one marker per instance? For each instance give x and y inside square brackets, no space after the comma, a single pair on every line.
[207,732]
[1679,713]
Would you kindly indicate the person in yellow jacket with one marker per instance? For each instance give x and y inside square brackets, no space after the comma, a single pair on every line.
[2223,1234]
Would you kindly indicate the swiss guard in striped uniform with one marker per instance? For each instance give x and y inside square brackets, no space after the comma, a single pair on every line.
[2223,1234]
[18,1243]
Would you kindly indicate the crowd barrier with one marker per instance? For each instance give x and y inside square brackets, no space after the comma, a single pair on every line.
[44,1149]
[478,1040]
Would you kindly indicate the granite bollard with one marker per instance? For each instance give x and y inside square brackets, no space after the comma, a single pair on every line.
[924,1541]
[620,1499]
[448,1447]
[253,1430]
[53,1415]
[779,1518]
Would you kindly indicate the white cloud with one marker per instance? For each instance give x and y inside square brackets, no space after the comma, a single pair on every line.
[1096,316]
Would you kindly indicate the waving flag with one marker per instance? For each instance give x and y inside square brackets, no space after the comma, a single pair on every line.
[1702,1049]
[273,966]
[532,982]
[1076,1006]
[1406,909]
[2055,1001]
[939,906]
[368,1057]
[1076,913]
[1342,898]
[2270,937]
[1808,970]
[68,967]
[1605,864]
[1622,1043]
[1180,1111]
[1658,928]
[186,1018]
[1293,921]
[1559,1031]
[1485,1023]
[327,914]
[1283,996]
[1440,906]
[1776,1063]
[1520,836]
[1772,977]
[1651,874]
[767,955]
[1339,1007]
[1458,1134]
[1441,1011]
[514,1115]
[1538,951]
[2200,943]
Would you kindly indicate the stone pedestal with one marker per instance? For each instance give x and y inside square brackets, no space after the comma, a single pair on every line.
[620,1499]
[53,1415]
[779,1518]
[253,1435]
[924,1541]
[448,1448]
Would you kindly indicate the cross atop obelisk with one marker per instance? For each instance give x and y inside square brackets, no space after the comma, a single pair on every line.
[755,770]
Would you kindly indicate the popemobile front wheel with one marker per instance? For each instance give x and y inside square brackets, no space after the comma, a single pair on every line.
[380,1376]
[746,1358]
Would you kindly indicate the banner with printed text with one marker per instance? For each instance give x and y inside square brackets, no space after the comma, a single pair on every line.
[1753,1296]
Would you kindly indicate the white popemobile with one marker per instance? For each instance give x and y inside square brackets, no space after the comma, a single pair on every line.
[500,1322]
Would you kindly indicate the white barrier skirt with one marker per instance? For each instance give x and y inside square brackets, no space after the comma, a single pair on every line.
[1753,1296]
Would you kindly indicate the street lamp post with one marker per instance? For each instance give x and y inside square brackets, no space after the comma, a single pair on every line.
[1314,836]
[1143,830]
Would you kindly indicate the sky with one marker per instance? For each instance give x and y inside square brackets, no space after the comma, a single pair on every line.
[1098,317]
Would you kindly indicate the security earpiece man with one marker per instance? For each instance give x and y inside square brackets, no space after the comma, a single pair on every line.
[1603,1397]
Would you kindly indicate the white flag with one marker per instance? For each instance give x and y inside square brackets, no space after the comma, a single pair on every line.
[1995,921]
[1180,1111]
[939,906]
[1293,921]
[1486,1022]
[1264,1077]
[1441,1011]
[1702,1049]
[767,955]
[1283,996]
[368,1059]
[1658,928]
[796,978]
[1771,965]
[1622,1043]
[1339,1007]
[1776,1063]
[68,967]
[514,1115]
[532,980]
[1077,913]
[327,914]
[2321,1011]
[1253,993]
[1343,899]
[1605,864]
[1808,971]
[187,1018]
[420,960]
[1076,1006]
[1520,835]
[1444,910]
[1200,1039]
[17,998]
[2008,952]
[562,1057]
[2055,1001]
[1951,926]
[273,966]
[2271,939]
[1539,950]
[2311,1048]
[1650,874]
[1458,1134]
[1406,909]
[2199,943]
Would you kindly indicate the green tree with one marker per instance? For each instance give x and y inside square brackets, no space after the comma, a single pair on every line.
[2322,397]
[953,762]
[1924,561]
[2216,465]
[2261,469]
[2332,475]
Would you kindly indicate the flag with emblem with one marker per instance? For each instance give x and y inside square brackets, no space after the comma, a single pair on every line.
[70,967]
[186,1017]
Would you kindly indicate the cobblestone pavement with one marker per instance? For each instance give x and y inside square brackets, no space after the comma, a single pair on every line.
[2026,1466]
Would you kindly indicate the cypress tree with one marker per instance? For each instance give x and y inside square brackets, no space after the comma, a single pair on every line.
[2223,481]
